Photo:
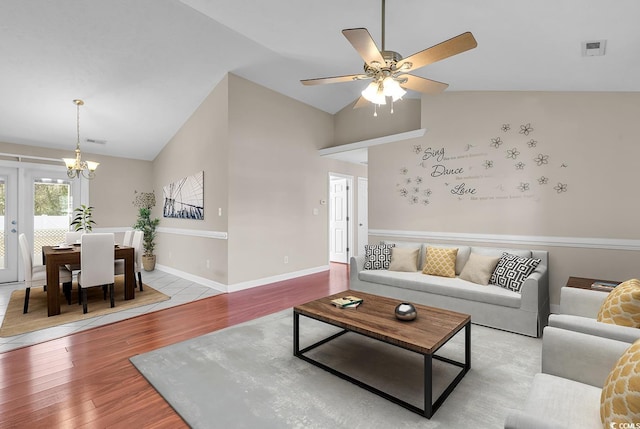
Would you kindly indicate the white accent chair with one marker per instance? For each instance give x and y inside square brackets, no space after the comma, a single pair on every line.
[136,243]
[72,237]
[97,265]
[36,276]
[566,394]
[579,311]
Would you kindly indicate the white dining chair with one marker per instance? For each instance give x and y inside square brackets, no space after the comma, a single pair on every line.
[128,235]
[96,264]
[71,238]
[136,243]
[35,276]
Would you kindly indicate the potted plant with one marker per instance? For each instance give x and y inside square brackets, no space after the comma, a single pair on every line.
[144,201]
[83,219]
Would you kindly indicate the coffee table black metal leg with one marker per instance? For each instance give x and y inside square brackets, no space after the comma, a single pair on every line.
[428,385]
[296,333]
[467,347]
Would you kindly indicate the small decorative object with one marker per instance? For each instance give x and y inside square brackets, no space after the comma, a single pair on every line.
[83,219]
[144,201]
[406,311]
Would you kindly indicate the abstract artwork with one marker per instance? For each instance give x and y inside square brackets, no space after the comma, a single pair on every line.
[184,198]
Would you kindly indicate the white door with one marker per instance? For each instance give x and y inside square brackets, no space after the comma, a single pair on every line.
[9,224]
[363,214]
[338,220]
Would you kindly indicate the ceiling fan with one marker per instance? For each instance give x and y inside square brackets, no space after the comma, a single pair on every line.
[389,71]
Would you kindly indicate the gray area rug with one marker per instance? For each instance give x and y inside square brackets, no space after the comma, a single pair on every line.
[246,376]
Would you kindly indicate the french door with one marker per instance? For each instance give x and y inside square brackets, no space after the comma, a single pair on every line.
[36,200]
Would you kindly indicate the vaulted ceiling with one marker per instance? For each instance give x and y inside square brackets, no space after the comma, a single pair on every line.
[143,66]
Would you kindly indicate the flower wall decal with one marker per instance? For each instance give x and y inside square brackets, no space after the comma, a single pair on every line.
[543,180]
[520,166]
[513,153]
[488,164]
[526,129]
[532,143]
[496,142]
[541,159]
[523,187]
[505,127]
[560,187]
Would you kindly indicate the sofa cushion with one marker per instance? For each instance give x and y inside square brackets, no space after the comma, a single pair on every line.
[620,397]
[377,256]
[479,268]
[404,259]
[448,286]
[622,305]
[440,262]
[512,271]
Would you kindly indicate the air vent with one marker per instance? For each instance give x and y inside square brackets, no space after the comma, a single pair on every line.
[593,48]
[96,141]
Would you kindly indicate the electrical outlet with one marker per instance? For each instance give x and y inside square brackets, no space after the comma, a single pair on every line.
[286,259]
[208,264]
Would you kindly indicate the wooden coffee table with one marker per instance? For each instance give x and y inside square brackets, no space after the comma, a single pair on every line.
[375,318]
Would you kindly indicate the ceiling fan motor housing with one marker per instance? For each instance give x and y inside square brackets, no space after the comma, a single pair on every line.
[377,70]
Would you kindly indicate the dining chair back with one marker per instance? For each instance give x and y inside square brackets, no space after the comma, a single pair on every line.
[136,243]
[96,264]
[36,276]
[72,237]
[128,235]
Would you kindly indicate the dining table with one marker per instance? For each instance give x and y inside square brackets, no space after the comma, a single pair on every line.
[55,256]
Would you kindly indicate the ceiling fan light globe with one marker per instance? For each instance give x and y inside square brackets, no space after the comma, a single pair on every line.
[393,89]
[373,94]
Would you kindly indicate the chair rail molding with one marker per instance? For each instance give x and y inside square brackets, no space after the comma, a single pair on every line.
[220,235]
[583,242]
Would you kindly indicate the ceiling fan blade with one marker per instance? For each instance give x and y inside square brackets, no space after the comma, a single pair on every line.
[335,79]
[446,49]
[361,103]
[364,44]
[421,84]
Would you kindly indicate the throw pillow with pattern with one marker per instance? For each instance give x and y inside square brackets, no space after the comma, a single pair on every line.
[440,261]
[622,305]
[512,271]
[377,256]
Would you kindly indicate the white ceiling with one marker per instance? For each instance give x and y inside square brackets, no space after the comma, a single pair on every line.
[143,66]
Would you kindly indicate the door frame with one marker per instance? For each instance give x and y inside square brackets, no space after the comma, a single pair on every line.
[363,200]
[348,210]
[26,171]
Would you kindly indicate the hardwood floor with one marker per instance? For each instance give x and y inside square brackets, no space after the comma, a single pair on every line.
[85,380]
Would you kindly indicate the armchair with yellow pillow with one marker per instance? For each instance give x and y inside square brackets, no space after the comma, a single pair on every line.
[614,315]
[586,381]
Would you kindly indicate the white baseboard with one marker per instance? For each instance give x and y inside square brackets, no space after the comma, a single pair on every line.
[243,285]
[196,279]
[280,277]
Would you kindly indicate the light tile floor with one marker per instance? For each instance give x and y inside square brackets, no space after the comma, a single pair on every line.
[180,290]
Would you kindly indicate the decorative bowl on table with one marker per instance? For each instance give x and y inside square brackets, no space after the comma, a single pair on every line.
[405,311]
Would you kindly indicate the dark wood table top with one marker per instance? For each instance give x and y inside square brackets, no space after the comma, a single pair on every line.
[585,282]
[375,318]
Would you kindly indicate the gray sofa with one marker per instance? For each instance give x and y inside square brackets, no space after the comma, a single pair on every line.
[525,313]
[566,394]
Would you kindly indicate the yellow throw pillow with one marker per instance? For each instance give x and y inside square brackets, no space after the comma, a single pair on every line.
[622,306]
[620,397]
[440,262]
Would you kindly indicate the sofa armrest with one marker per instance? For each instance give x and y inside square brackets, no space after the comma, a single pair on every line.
[587,325]
[356,265]
[581,302]
[535,291]
[520,420]
[579,357]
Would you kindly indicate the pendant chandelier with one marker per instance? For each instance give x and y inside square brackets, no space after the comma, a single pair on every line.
[76,167]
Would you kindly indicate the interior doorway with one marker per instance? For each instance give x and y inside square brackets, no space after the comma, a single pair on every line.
[363,215]
[340,217]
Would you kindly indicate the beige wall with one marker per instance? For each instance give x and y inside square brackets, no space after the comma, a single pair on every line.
[111,192]
[584,144]
[258,150]
[355,125]
[201,144]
